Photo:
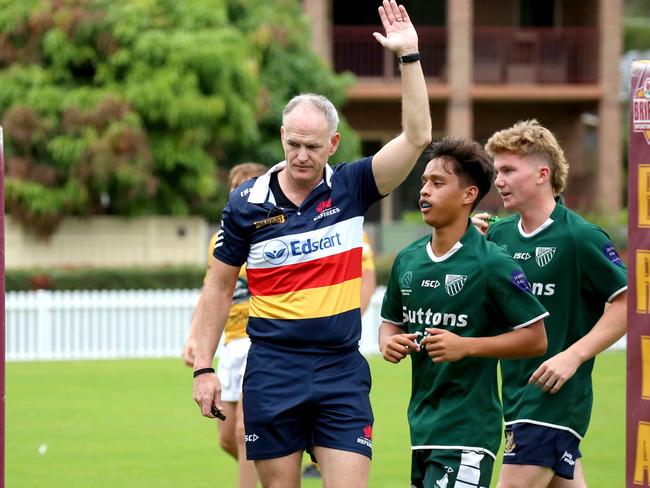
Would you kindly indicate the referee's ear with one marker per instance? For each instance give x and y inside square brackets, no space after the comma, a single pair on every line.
[334,142]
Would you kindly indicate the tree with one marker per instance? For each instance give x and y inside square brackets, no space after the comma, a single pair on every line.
[129,107]
[636,25]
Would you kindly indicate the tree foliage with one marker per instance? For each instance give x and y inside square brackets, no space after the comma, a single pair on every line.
[132,107]
[636,25]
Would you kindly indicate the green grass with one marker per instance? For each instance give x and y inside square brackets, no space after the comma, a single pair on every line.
[133,424]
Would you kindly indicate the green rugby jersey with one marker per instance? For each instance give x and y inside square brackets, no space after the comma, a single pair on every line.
[474,290]
[573,269]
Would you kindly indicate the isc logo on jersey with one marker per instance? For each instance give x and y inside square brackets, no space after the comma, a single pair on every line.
[430,284]
[277,251]
[522,256]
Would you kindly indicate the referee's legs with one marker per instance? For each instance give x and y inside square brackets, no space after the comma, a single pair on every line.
[342,469]
[283,472]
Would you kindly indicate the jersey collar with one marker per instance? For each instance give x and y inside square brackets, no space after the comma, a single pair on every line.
[559,205]
[527,235]
[445,256]
[470,235]
[261,191]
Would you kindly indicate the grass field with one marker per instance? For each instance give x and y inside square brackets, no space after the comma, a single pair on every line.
[133,424]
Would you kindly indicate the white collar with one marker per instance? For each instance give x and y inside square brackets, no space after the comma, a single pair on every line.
[548,222]
[260,192]
[447,255]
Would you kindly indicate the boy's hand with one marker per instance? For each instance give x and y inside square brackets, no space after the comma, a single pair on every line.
[442,345]
[479,221]
[398,346]
[553,373]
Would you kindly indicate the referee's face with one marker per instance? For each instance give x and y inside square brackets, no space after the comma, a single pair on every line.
[307,145]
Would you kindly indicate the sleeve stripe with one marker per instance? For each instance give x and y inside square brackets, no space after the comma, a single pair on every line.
[391,321]
[532,321]
[616,293]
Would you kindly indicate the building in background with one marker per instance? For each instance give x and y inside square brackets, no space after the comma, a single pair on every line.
[488,64]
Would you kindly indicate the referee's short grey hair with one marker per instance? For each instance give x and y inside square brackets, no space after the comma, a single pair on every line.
[319,102]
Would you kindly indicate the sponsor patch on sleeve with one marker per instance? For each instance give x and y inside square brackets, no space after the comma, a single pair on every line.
[611,254]
[519,279]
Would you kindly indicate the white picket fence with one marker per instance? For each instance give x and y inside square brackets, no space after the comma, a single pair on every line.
[51,325]
[97,324]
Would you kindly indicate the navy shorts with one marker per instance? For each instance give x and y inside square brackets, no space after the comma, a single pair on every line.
[539,445]
[294,401]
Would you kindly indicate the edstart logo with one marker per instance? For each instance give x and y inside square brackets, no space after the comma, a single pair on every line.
[275,252]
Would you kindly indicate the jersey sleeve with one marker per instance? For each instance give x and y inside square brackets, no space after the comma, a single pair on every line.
[391,307]
[360,181]
[233,239]
[510,292]
[604,274]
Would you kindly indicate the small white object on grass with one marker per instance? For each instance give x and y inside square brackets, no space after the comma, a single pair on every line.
[42,449]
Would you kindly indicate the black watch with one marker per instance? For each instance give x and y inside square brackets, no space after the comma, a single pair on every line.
[409,58]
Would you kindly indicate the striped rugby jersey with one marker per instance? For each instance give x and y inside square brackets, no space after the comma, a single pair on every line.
[304,264]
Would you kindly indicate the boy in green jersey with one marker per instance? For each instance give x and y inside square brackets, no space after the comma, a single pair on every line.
[455,303]
[574,271]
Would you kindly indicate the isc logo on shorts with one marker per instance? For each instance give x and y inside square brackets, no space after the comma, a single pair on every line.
[251,437]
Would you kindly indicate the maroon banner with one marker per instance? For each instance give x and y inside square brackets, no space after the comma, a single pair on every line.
[2,314]
[638,312]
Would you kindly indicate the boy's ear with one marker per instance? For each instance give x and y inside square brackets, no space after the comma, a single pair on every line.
[543,174]
[471,194]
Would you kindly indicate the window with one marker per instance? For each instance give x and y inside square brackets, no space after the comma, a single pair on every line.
[537,13]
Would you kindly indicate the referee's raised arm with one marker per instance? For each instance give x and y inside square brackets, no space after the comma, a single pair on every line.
[395,160]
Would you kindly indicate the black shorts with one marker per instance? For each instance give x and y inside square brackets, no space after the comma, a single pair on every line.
[295,401]
[540,445]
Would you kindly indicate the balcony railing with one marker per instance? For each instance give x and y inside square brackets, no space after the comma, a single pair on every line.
[535,55]
[501,54]
[356,50]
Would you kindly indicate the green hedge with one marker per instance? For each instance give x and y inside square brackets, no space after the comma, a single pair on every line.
[105,278]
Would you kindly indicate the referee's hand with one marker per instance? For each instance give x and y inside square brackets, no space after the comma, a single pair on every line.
[207,393]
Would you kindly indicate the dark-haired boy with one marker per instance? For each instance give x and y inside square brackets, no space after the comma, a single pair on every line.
[455,303]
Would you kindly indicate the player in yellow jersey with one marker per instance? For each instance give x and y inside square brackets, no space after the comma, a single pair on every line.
[368,279]
[232,360]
